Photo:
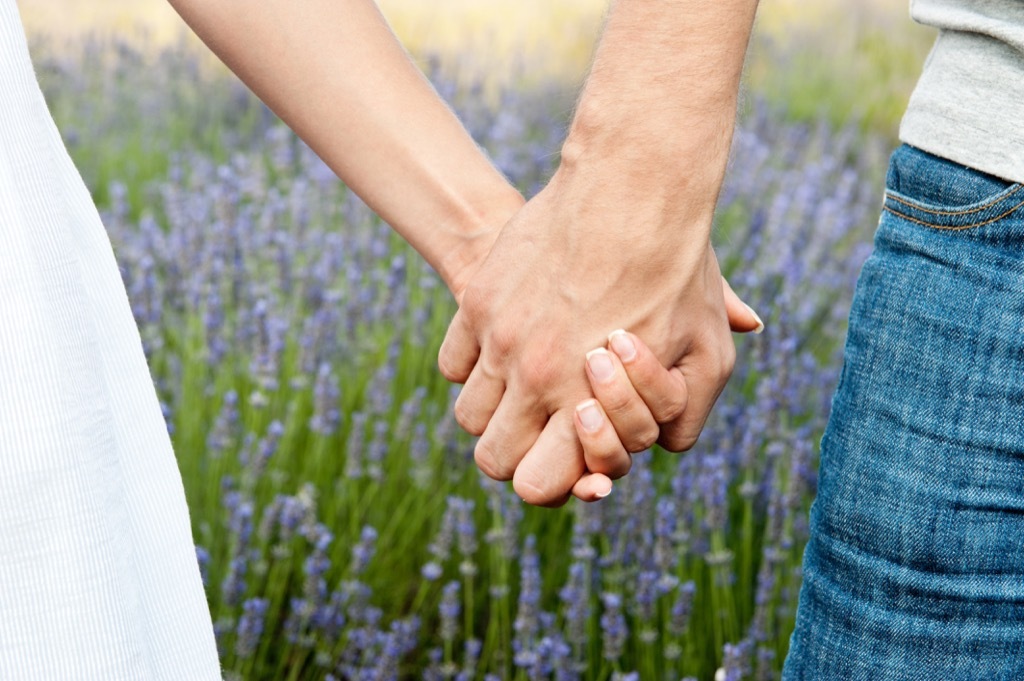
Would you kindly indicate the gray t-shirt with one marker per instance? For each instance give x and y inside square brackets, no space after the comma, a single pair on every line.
[968,105]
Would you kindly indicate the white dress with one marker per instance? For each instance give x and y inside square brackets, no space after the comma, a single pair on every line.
[98,574]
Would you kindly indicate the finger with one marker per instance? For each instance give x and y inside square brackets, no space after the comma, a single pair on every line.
[629,416]
[553,465]
[742,318]
[511,431]
[705,374]
[459,351]
[603,451]
[592,487]
[478,400]
[662,390]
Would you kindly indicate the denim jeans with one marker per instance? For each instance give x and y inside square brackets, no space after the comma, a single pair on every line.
[915,565]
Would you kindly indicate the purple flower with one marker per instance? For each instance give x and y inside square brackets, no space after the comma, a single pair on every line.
[450,609]
[575,597]
[326,398]
[682,607]
[364,549]
[224,435]
[613,627]
[250,626]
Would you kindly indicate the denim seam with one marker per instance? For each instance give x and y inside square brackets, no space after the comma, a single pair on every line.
[909,204]
[954,228]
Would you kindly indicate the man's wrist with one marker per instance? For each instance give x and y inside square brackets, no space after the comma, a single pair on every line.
[669,182]
[662,147]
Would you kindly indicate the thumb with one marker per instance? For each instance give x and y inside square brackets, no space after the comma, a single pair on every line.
[742,319]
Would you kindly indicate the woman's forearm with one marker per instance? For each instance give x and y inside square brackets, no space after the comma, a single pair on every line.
[335,73]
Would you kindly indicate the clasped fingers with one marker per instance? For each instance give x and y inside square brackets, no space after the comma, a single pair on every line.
[640,402]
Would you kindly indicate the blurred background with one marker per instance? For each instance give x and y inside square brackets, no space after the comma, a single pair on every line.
[841,58]
[342,529]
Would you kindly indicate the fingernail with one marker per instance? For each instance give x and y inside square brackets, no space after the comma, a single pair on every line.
[590,416]
[622,344]
[760,324]
[602,495]
[600,364]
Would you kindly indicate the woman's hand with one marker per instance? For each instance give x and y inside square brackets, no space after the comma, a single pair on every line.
[635,394]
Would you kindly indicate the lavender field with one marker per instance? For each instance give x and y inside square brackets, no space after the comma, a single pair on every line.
[343,531]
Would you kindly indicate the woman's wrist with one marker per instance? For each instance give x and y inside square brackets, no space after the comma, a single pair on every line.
[472,238]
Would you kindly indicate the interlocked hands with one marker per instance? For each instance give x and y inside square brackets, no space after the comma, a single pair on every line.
[559,277]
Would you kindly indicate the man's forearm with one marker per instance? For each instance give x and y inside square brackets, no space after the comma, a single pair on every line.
[334,72]
[658,109]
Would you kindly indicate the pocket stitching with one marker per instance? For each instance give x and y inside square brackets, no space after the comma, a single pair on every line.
[1005,194]
[953,228]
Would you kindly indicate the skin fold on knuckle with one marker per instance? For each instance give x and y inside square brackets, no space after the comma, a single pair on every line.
[539,375]
[446,365]
[651,436]
[614,400]
[473,307]
[503,343]
[642,440]
[468,421]
[489,464]
[669,408]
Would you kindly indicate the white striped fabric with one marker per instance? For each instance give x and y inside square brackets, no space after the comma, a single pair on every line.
[98,575]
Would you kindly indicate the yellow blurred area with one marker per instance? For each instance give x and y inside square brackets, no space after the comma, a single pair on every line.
[839,58]
[558,35]
[555,35]
[68,18]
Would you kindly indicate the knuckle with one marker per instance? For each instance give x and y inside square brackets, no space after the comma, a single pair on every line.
[650,436]
[728,361]
[465,418]
[539,376]
[445,365]
[671,408]
[489,464]
[643,439]
[474,304]
[503,342]
[615,400]
[678,442]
